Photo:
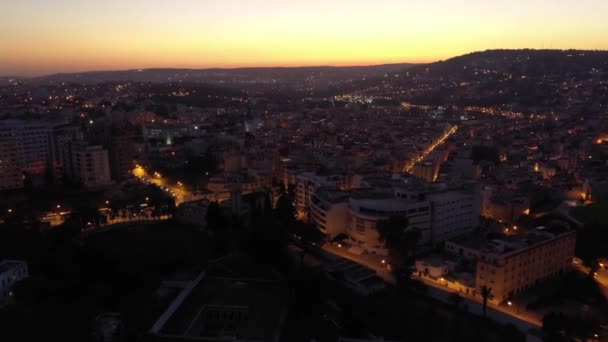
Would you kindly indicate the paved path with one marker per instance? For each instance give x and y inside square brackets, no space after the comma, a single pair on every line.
[497,313]
[502,314]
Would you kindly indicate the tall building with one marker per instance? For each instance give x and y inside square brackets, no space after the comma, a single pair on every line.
[87,165]
[32,143]
[10,170]
[62,135]
[329,211]
[121,152]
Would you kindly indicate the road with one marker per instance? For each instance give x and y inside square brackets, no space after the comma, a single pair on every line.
[500,313]
[408,167]
[373,262]
[504,314]
[178,192]
[601,276]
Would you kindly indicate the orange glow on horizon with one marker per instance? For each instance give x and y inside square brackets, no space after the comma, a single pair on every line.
[41,37]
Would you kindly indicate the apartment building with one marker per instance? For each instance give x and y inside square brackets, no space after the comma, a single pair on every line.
[10,170]
[307,184]
[516,262]
[87,165]
[329,211]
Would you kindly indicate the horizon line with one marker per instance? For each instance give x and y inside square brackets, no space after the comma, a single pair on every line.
[41,75]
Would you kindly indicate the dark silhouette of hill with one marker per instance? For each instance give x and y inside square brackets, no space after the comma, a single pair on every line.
[530,63]
[225,76]
[520,79]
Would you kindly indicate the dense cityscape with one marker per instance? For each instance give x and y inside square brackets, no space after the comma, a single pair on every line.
[461,199]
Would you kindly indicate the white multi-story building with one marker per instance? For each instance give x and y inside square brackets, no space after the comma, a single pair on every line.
[329,211]
[438,210]
[62,136]
[307,184]
[11,271]
[31,148]
[33,143]
[368,207]
[517,261]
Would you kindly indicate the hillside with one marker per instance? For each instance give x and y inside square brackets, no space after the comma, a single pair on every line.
[543,79]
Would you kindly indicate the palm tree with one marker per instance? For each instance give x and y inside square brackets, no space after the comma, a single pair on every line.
[485,294]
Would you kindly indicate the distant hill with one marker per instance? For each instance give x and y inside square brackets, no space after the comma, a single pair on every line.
[532,63]
[542,79]
[239,75]
[7,80]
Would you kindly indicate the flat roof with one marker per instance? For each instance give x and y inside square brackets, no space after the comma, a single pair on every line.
[235,298]
[505,244]
[259,305]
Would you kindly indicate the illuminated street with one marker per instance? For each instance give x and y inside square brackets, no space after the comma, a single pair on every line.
[430,149]
[374,262]
[177,191]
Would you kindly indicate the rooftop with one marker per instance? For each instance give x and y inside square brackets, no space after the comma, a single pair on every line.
[507,243]
[235,298]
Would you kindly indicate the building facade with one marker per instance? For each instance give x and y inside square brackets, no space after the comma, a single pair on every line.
[11,271]
[439,211]
[87,165]
[515,263]
[329,211]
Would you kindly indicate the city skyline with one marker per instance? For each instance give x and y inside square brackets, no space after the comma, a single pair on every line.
[44,37]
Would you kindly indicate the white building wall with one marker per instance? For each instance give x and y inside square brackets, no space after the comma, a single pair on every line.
[11,271]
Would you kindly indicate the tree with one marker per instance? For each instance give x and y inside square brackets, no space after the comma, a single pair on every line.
[285,211]
[392,233]
[485,294]
[215,216]
[412,237]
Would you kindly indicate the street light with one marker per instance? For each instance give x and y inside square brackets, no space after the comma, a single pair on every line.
[509,303]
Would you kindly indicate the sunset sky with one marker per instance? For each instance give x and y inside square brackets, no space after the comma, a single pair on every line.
[40,37]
